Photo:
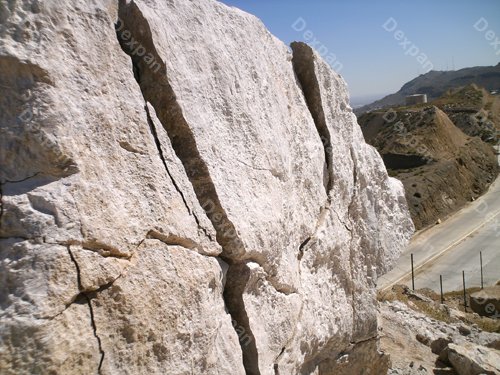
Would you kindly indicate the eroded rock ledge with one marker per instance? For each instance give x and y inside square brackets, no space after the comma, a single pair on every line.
[181,194]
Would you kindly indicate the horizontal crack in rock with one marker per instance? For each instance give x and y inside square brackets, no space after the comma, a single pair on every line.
[100,248]
[173,240]
[376,337]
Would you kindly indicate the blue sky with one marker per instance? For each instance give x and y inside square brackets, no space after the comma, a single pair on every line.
[373,61]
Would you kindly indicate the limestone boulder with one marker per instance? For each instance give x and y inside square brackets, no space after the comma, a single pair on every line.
[182,193]
[470,359]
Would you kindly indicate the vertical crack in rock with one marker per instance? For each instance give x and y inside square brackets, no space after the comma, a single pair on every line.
[1,206]
[133,33]
[94,327]
[133,30]
[303,65]
[354,181]
[349,217]
[290,339]
[276,366]
[302,247]
[91,310]
[237,276]
[77,267]
[154,133]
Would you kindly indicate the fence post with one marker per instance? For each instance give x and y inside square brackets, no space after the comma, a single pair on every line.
[465,294]
[441,284]
[412,274]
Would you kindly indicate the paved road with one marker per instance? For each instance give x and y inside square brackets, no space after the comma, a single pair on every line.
[453,246]
[464,256]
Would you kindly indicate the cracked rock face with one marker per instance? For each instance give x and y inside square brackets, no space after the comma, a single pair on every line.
[182,194]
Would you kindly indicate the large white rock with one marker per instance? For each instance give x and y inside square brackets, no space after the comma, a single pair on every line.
[470,359]
[217,189]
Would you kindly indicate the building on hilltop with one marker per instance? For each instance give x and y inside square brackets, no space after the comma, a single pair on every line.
[416,99]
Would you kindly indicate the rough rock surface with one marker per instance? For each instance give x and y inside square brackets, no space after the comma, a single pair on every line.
[472,359]
[181,194]
[419,344]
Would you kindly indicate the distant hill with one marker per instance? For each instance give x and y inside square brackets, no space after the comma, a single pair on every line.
[436,83]
[474,111]
[441,167]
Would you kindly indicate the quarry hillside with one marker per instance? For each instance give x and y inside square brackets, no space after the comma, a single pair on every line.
[441,167]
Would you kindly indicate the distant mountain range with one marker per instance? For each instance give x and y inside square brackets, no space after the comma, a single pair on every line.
[436,83]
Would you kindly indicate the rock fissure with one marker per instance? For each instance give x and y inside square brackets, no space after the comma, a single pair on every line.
[87,298]
[364,340]
[324,210]
[96,335]
[287,290]
[303,65]
[276,365]
[1,207]
[347,227]
[237,278]
[21,180]
[82,296]
[154,133]
[354,183]
[104,250]
[349,217]
[277,286]
[107,251]
[273,172]
[173,240]
[156,89]
[302,248]
[290,340]
[238,134]
[77,267]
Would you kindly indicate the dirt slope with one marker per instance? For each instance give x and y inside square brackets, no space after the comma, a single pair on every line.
[441,167]
[474,110]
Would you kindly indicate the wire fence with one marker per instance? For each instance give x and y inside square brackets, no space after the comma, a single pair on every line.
[447,276]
